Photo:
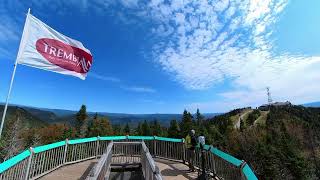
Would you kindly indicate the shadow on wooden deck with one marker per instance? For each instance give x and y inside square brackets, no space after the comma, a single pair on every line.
[170,170]
[174,170]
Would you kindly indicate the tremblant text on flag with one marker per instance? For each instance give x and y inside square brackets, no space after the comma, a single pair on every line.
[64,55]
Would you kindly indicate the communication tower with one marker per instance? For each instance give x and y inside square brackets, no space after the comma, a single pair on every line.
[269,96]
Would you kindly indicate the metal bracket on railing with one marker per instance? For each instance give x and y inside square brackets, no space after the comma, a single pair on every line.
[242,165]
[29,163]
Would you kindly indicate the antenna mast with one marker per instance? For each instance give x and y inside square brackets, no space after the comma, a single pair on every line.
[269,96]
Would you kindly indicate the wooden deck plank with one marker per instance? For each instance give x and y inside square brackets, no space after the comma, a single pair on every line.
[71,172]
[169,169]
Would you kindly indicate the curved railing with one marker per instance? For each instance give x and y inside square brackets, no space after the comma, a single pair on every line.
[39,161]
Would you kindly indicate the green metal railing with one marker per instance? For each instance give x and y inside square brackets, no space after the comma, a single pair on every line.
[41,160]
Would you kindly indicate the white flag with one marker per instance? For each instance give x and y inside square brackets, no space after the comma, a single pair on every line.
[44,48]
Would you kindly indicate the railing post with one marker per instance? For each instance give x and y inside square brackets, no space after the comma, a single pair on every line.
[97,148]
[183,151]
[154,146]
[29,163]
[213,161]
[125,148]
[241,168]
[65,151]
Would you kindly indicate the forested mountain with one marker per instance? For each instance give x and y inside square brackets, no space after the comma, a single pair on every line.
[286,146]
[43,115]
[280,143]
[29,117]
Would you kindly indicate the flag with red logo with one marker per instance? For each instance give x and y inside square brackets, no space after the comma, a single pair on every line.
[44,48]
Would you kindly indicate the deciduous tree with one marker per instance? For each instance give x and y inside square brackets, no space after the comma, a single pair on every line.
[100,127]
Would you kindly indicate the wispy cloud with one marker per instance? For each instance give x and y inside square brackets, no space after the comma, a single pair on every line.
[9,30]
[121,84]
[205,43]
[102,77]
[139,89]
[129,3]
[217,40]
[151,101]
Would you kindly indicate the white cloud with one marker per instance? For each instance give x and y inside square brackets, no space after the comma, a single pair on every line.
[129,3]
[215,41]
[139,89]
[221,5]
[151,101]
[200,53]
[180,18]
[102,77]
[9,32]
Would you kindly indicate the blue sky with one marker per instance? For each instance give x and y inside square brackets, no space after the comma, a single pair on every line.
[163,56]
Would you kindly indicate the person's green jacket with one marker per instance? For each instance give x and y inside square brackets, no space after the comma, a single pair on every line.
[188,141]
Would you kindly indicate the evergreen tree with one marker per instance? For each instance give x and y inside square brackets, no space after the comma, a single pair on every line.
[199,125]
[127,129]
[36,140]
[164,132]
[254,115]
[186,123]
[223,123]
[173,130]
[156,128]
[69,132]
[199,118]
[81,122]
[95,116]
[117,130]
[146,131]
[29,136]
[138,130]
[242,125]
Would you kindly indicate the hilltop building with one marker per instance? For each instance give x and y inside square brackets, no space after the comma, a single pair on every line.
[265,107]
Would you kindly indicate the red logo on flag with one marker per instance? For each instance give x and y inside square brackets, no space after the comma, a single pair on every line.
[63,55]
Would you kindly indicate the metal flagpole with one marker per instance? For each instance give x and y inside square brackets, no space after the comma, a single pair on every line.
[10,87]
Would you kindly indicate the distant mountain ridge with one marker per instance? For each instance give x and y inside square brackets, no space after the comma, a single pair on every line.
[123,118]
[312,104]
[51,116]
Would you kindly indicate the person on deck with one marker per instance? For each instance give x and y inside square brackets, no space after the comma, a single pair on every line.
[191,143]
